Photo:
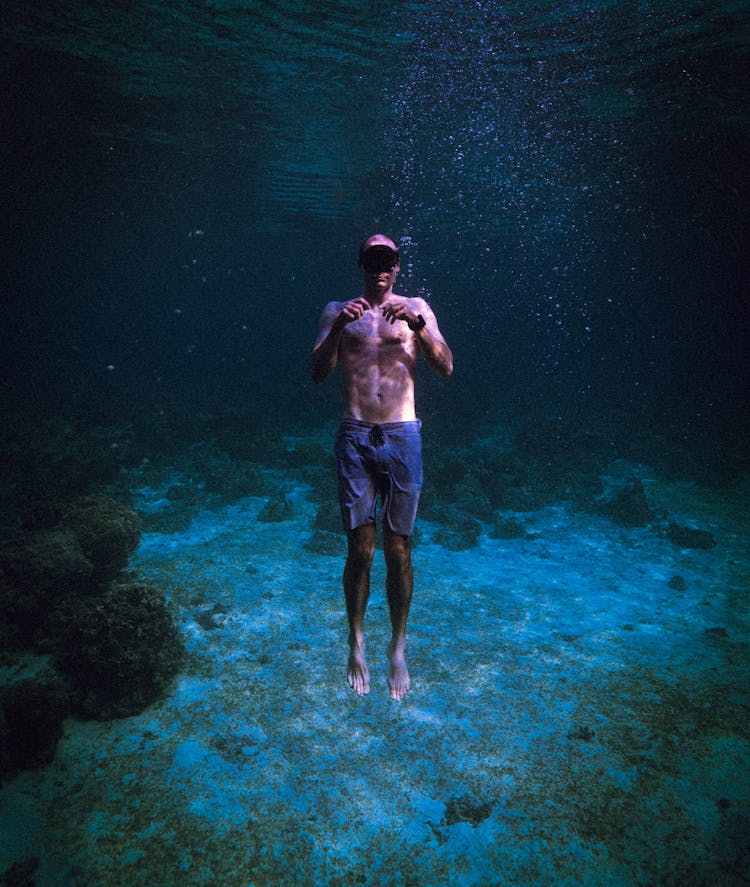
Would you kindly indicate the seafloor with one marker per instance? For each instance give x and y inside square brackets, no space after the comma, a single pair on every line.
[578,712]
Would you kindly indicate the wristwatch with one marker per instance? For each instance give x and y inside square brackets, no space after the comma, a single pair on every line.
[419,325]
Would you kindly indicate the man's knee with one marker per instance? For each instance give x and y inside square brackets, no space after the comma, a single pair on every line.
[361,547]
[397,551]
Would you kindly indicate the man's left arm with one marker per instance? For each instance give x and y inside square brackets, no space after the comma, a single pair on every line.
[420,319]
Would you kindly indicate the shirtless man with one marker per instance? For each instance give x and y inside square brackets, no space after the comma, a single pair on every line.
[377,337]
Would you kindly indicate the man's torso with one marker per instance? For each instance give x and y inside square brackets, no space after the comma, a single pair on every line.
[377,360]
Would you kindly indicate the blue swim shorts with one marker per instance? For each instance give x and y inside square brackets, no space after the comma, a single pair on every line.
[379,460]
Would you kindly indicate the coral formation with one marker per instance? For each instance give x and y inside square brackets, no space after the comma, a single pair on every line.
[507,528]
[628,507]
[68,551]
[459,530]
[115,648]
[21,874]
[36,571]
[327,535]
[687,537]
[276,511]
[326,542]
[119,650]
[467,809]
[107,532]
[32,712]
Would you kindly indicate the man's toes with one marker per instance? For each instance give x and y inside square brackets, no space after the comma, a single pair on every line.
[359,683]
[398,690]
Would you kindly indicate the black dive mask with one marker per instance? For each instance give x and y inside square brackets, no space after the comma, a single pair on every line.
[379,259]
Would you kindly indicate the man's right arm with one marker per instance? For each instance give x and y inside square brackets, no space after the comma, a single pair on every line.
[325,353]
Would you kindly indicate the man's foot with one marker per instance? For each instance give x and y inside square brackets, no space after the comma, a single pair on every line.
[398,673]
[358,674]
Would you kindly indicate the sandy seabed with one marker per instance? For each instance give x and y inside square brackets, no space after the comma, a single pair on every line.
[574,718]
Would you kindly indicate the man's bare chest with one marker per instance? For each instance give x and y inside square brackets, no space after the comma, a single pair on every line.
[373,330]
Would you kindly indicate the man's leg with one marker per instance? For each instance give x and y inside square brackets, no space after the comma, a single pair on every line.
[361,547]
[399,587]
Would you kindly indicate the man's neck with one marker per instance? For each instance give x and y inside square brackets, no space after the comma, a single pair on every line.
[376,296]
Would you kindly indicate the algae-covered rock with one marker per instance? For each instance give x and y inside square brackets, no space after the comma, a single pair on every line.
[32,712]
[328,517]
[328,536]
[21,874]
[65,552]
[325,542]
[120,650]
[467,809]
[687,537]
[276,511]
[507,528]
[628,506]
[107,532]
[458,531]
[36,571]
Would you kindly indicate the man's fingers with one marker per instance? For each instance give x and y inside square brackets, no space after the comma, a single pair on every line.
[357,308]
[350,313]
[393,313]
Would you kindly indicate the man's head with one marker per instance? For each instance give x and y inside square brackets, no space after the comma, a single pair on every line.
[378,254]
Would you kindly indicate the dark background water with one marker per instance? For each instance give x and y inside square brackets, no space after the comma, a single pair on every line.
[185,185]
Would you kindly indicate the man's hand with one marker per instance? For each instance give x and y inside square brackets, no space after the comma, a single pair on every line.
[352,310]
[398,309]
[325,353]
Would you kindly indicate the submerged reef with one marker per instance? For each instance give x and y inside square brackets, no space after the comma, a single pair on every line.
[628,507]
[107,532]
[65,551]
[108,649]
[21,874]
[458,530]
[36,571]
[327,537]
[32,711]
[688,537]
[467,809]
[276,511]
[119,651]
[507,528]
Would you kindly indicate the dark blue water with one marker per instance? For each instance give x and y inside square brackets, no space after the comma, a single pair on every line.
[185,185]
[184,188]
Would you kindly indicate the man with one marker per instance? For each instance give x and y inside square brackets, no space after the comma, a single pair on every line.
[377,338]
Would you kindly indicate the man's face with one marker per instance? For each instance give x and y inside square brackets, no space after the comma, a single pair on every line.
[380,262]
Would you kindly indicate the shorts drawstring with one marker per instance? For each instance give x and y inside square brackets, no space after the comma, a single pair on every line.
[376,436]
